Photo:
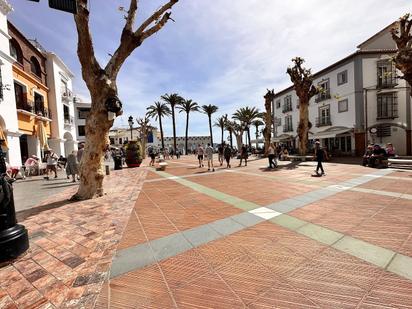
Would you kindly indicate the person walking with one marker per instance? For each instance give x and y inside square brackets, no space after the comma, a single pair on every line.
[272,156]
[220,150]
[51,160]
[243,155]
[227,153]
[320,156]
[152,156]
[80,153]
[72,166]
[200,153]
[209,155]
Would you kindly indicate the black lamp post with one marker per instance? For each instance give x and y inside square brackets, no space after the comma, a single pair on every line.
[14,239]
[131,123]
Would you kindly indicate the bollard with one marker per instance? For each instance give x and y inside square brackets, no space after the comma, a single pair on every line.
[107,170]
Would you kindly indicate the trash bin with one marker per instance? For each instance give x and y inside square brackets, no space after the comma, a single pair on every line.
[117,162]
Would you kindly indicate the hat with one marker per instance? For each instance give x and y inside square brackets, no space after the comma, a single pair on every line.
[317,143]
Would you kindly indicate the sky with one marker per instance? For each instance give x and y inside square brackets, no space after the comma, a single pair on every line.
[220,52]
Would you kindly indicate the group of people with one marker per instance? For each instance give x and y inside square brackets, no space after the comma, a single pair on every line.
[167,154]
[70,164]
[375,154]
[225,154]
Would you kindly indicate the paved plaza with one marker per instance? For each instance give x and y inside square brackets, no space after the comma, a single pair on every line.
[246,237]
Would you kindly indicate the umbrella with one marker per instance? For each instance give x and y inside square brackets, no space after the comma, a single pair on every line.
[41,134]
[3,137]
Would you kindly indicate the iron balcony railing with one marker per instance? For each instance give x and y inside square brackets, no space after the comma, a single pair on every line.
[287,128]
[287,108]
[322,96]
[323,121]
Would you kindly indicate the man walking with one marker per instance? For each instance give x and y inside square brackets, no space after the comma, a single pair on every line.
[200,153]
[209,154]
[320,156]
[272,156]
[227,152]
[220,150]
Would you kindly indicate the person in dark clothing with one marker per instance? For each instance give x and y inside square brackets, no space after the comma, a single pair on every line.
[320,156]
[243,155]
[227,153]
[378,155]
[367,155]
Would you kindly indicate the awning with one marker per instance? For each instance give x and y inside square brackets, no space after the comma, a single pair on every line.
[42,135]
[4,137]
[282,138]
[331,133]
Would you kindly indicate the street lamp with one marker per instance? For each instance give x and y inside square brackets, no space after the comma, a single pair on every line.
[131,123]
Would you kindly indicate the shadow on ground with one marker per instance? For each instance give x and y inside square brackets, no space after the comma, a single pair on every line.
[24,214]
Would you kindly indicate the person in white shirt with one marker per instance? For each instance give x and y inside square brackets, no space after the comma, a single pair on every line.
[272,156]
[200,153]
[51,159]
[209,154]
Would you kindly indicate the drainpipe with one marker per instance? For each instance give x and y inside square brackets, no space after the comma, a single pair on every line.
[366,117]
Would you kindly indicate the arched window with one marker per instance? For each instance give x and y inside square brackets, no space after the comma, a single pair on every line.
[35,66]
[15,51]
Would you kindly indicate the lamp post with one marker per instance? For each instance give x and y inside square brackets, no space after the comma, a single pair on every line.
[131,123]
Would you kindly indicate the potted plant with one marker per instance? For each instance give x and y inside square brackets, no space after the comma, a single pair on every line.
[133,154]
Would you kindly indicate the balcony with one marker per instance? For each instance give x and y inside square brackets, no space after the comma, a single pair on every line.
[322,96]
[36,109]
[286,108]
[67,95]
[287,128]
[68,121]
[387,81]
[323,122]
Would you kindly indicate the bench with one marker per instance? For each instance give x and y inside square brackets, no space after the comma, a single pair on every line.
[161,166]
[406,162]
[300,158]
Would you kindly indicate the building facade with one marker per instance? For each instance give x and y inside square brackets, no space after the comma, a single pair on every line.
[31,93]
[81,111]
[59,79]
[8,115]
[120,136]
[362,101]
[192,142]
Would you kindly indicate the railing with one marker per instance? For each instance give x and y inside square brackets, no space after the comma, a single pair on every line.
[287,108]
[68,120]
[31,107]
[67,95]
[287,128]
[387,81]
[323,121]
[322,96]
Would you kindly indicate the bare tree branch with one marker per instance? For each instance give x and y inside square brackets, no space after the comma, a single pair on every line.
[90,67]
[131,40]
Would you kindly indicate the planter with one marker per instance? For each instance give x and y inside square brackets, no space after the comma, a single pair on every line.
[133,154]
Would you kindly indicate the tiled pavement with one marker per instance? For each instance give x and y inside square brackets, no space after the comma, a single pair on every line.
[224,240]
[71,247]
[254,238]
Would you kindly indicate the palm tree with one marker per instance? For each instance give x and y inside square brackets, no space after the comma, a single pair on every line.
[221,123]
[229,128]
[144,128]
[157,111]
[246,115]
[187,106]
[257,123]
[173,100]
[238,129]
[209,110]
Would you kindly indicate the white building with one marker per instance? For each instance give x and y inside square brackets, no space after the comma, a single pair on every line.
[81,111]
[364,102]
[59,80]
[119,136]
[192,142]
[8,113]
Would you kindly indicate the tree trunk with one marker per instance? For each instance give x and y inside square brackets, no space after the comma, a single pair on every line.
[210,129]
[174,130]
[231,138]
[143,141]
[267,132]
[187,131]
[222,134]
[303,128]
[97,139]
[161,132]
[257,138]
[239,140]
[248,136]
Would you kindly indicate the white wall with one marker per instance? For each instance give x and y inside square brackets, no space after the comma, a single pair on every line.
[8,113]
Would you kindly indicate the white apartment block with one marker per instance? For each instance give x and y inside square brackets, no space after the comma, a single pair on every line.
[192,142]
[364,101]
[120,136]
[81,111]
[8,113]
[61,103]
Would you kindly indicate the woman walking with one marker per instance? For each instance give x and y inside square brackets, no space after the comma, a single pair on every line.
[272,156]
[72,166]
[243,155]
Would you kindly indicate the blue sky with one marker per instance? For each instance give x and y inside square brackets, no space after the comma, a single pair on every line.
[220,52]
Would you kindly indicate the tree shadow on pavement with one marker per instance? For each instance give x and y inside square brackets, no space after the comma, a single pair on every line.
[290,166]
[24,214]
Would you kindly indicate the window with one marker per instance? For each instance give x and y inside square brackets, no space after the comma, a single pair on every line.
[21,97]
[278,121]
[324,117]
[66,113]
[35,66]
[324,92]
[120,141]
[64,87]
[387,106]
[278,103]
[386,74]
[81,130]
[288,124]
[111,141]
[15,51]
[39,105]
[287,105]
[343,106]
[342,77]
[83,113]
